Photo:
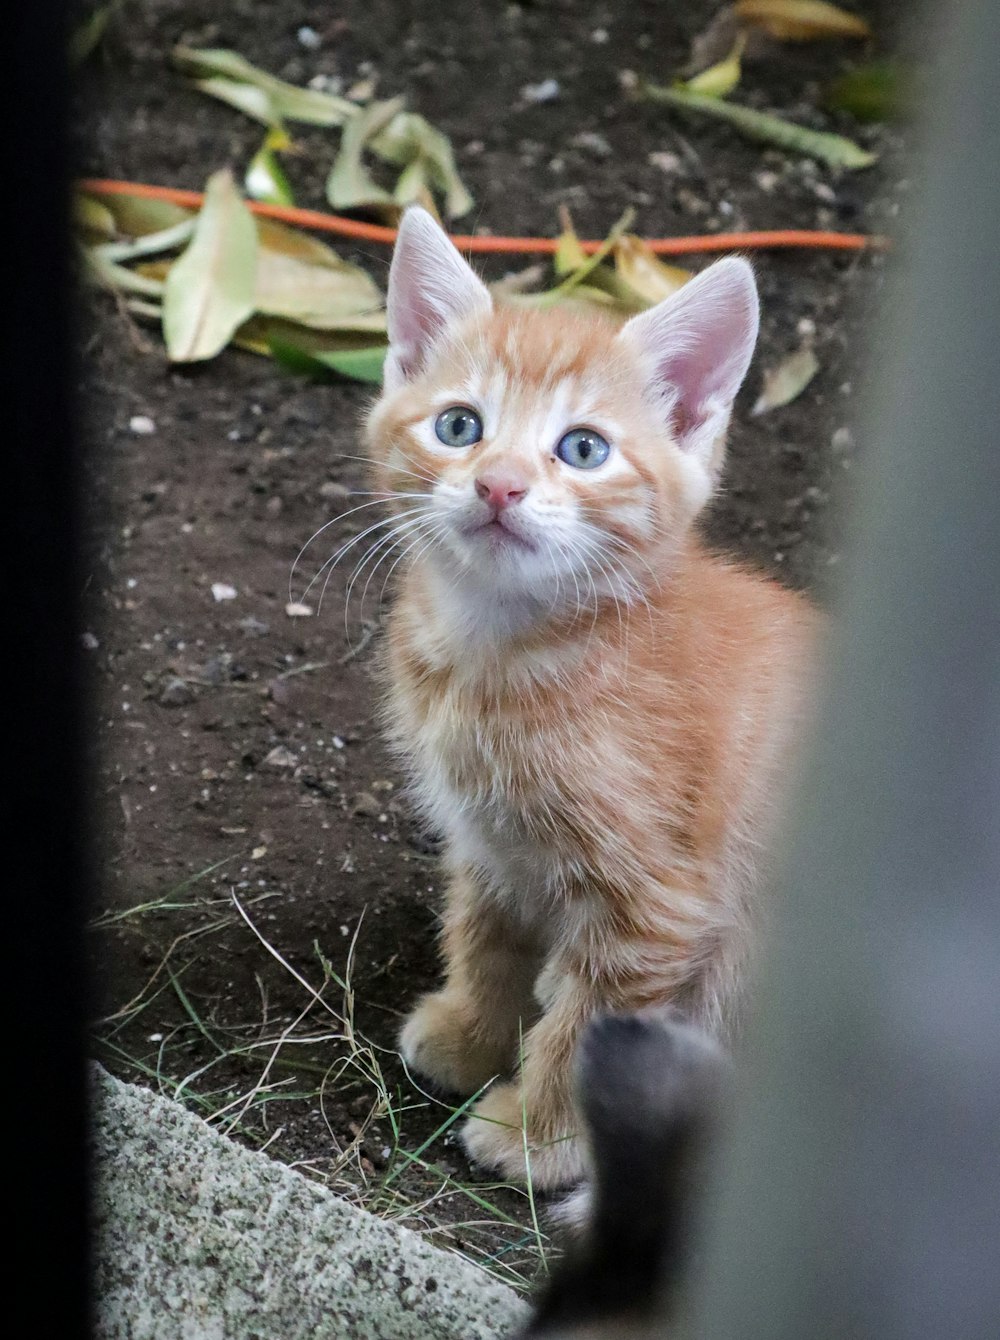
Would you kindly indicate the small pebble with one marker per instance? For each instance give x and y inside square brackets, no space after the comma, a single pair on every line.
[363,90]
[365,804]
[280,757]
[593,142]
[547,91]
[309,38]
[223,591]
[142,425]
[295,610]
[176,693]
[665,161]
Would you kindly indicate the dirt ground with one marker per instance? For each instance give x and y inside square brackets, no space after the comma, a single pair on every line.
[237,748]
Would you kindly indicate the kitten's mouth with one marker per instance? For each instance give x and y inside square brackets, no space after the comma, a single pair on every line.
[499,534]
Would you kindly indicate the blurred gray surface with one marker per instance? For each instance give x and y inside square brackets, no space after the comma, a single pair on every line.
[860,1194]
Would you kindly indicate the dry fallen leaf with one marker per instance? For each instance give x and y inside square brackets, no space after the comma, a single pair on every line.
[210,288]
[644,272]
[801,20]
[569,255]
[427,160]
[302,279]
[138,216]
[349,185]
[228,76]
[92,217]
[787,381]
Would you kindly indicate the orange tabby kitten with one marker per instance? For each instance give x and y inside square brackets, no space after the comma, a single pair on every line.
[594,710]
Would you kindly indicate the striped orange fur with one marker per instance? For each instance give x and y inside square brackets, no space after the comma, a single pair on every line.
[595,711]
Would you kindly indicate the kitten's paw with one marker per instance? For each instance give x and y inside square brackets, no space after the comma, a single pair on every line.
[438,1040]
[493,1137]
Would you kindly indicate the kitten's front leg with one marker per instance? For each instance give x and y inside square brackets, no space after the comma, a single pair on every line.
[536,1108]
[467,1033]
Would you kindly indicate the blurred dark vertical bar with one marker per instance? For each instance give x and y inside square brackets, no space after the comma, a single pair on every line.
[860,1195]
[45,848]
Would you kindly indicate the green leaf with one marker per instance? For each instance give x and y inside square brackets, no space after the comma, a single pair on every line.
[210,65]
[787,381]
[363,363]
[303,280]
[265,177]
[801,20]
[210,288]
[878,91]
[764,126]
[719,80]
[411,142]
[349,185]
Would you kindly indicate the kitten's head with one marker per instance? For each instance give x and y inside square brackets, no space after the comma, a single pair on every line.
[552,455]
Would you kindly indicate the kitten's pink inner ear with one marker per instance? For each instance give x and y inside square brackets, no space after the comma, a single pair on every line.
[431,288]
[696,347]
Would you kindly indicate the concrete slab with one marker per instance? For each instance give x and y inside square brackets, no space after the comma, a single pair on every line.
[197,1238]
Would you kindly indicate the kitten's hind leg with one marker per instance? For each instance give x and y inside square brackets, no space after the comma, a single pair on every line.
[467,1033]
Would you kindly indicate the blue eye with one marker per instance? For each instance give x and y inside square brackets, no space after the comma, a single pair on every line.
[583,449]
[458,426]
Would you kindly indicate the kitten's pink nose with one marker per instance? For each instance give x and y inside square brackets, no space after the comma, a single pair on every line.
[500,490]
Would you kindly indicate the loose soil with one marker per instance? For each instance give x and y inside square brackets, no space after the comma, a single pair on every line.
[237,748]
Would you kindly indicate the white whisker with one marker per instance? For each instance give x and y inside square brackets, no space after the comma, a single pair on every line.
[382,548]
[380,497]
[335,558]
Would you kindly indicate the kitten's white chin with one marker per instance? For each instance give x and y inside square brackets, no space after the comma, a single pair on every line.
[494,562]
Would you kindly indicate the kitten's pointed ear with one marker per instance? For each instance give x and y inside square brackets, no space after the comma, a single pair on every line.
[430,288]
[696,347]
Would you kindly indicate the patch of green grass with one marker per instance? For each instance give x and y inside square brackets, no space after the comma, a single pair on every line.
[253,1079]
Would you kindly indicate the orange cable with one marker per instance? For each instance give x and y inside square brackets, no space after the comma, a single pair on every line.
[373,232]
